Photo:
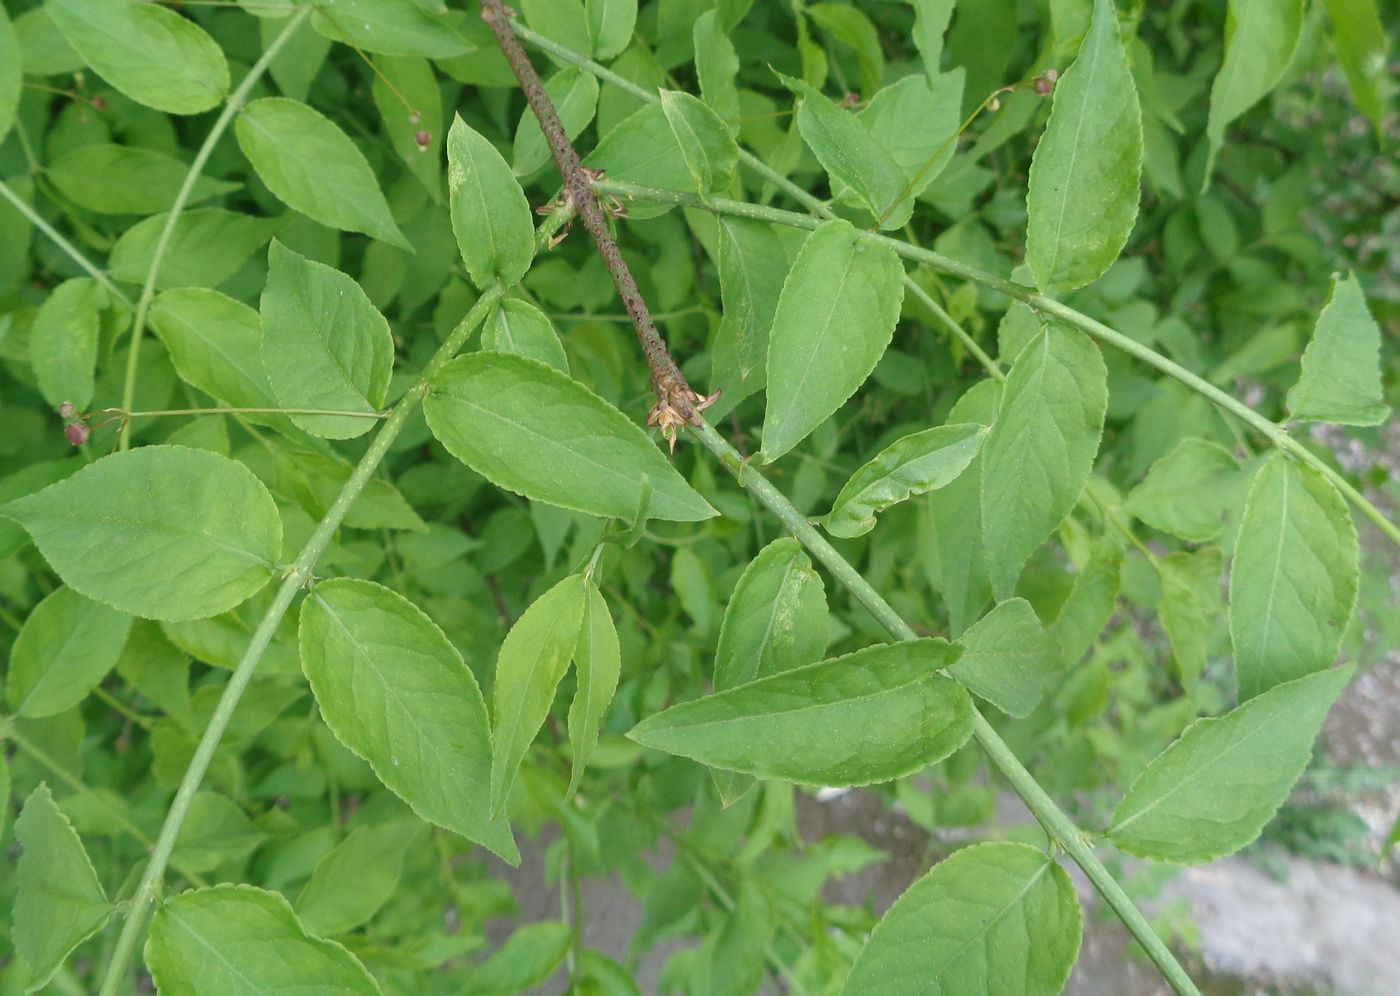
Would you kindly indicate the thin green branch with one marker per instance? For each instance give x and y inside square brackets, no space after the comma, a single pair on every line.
[1056,823]
[69,249]
[1045,306]
[148,290]
[295,578]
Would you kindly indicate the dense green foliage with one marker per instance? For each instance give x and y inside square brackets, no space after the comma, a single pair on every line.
[317,606]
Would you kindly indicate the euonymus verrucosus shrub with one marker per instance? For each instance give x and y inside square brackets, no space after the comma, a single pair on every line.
[364,568]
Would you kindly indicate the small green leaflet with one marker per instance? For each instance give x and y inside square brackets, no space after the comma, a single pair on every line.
[1359,38]
[314,167]
[389,27]
[575,97]
[717,68]
[63,341]
[1008,659]
[324,345]
[240,939]
[1260,38]
[490,215]
[992,918]
[1084,184]
[1091,601]
[530,429]
[206,247]
[59,903]
[914,465]
[1189,606]
[706,145]
[1191,492]
[64,649]
[396,692]
[1294,578]
[521,328]
[931,19]
[148,52]
[870,716]
[1341,378]
[526,960]
[127,179]
[162,532]
[216,831]
[752,267]
[1041,447]
[917,121]
[214,342]
[836,315]
[359,876]
[1211,792]
[532,661]
[598,659]
[610,24]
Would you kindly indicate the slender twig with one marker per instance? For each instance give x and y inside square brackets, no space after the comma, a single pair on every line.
[70,250]
[676,403]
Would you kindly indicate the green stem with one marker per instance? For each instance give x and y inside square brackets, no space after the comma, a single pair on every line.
[1276,434]
[1056,823]
[148,290]
[240,411]
[70,250]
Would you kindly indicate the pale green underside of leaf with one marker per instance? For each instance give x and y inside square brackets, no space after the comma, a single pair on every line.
[490,215]
[396,692]
[598,659]
[1190,492]
[1084,182]
[1007,658]
[521,328]
[707,146]
[1341,376]
[359,876]
[877,714]
[1212,791]
[236,939]
[530,429]
[162,532]
[993,918]
[1294,578]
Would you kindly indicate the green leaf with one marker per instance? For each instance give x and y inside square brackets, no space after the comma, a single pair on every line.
[575,97]
[716,68]
[1211,792]
[127,179]
[1189,606]
[206,247]
[599,661]
[313,167]
[850,26]
[912,465]
[216,831]
[11,75]
[324,345]
[355,879]
[917,121]
[214,342]
[519,327]
[490,215]
[870,716]
[532,662]
[1041,447]
[162,532]
[1085,177]
[852,156]
[1341,378]
[148,52]
[836,315]
[1359,38]
[931,19]
[752,267]
[610,24]
[528,428]
[775,620]
[235,939]
[993,918]
[527,958]
[63,341]
[1260,38]
[642,149]
[394,690]
[1191,492]
[709,150]
[59,903]
[389,27]
[1091,601]
[64,649]
[1294,578]
[1008,658]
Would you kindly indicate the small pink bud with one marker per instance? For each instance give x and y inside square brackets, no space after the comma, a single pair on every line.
[67,410]
[423,139]
[99,103]
[1045,82]
[77,432]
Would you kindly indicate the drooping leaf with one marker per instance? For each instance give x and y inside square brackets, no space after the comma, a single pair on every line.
[63,341]
[1341,378]
[323,345]
[610,24]
[706,145]
[521,328]
[1008,658]
[389,27]
[206,247]
[913,465]
[775,620]
[355,879]
[59,902]
[532,661]
[239,939]
[1359,38]
[490,215]
[1041,447]
[1211,792]
[1189,606]
[1260,37]
[65,647]
[916,120]
[866,717]
[1190,492]
[598,659]
[1091,601]
[1084,183]
[752,268]
[993,918]
[127,179]
[395,691]
[575,97]
[313,167]
[148,52]
[837,312]
[527,959]
[530,429]
[1294,578]
[163,532]
[716,68]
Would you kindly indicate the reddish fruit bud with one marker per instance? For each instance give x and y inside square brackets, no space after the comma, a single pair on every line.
[99,103]
[67,410]
[77,432]
[423,139]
